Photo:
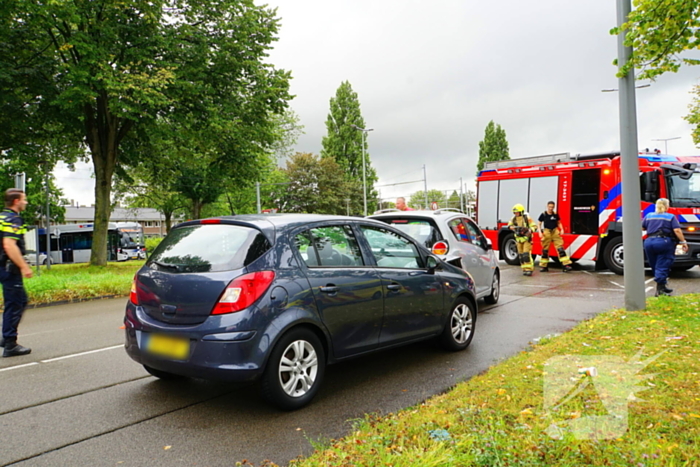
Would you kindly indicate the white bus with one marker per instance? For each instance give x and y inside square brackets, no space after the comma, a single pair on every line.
[131,240]
[72,243]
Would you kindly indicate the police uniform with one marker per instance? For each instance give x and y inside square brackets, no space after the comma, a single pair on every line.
[660,246]
[523,239]
[12,226]
[551,234]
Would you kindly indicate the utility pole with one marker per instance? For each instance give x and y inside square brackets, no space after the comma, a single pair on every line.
[364,170]
[257,196]
[635,296]
[425,185]
[461,195]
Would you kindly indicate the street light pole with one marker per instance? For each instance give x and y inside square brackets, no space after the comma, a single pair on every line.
[666,140]
[364,170]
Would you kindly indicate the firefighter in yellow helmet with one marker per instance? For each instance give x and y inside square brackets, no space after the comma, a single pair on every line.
[523,226]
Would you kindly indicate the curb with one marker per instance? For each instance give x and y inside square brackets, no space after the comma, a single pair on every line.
[77,300]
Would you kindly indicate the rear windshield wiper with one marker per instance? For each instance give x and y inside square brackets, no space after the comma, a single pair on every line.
[167,266]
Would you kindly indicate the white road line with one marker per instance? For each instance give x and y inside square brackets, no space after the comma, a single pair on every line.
[620,286]
[18,366]
[648,289]
[646,282]
[81,354]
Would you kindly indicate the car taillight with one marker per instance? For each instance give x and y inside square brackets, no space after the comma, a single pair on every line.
[441,248]
[133,297]
[243,291]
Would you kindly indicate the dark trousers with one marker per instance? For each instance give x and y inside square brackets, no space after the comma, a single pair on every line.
[661,255]
[15,302]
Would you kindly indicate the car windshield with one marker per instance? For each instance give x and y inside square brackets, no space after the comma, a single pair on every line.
[419,229]
[208,248]
[684,193]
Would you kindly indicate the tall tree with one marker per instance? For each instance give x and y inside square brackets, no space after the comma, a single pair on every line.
[662,34]
[318,185]
[114,67]
[345,143]
[494,146]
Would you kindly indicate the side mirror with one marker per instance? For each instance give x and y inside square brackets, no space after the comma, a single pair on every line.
[432,264]
[489,245]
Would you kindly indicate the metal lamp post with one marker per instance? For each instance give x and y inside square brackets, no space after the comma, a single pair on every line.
[364,170]
[666,140]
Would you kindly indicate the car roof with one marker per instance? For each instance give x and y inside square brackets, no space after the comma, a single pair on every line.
[438,214]
[271,224]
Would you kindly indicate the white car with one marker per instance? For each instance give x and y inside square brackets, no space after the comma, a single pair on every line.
[30,258]
[456,239]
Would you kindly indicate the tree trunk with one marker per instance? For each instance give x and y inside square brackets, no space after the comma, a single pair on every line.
[103,132]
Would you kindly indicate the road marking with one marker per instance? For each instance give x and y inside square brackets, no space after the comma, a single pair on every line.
[620,286]
[61,358]
[81,354]
[646,282]
[648,289]
[18,366]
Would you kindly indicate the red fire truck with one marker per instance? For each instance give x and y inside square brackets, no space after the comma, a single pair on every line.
[588,191]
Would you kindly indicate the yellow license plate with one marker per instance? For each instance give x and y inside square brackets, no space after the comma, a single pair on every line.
[166,346]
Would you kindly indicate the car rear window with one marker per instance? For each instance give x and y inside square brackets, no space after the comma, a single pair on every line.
[422,230]
[208,248]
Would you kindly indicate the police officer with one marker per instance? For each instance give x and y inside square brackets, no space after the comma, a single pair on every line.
[660,245]
[552,234]
[12,268]
[523,227]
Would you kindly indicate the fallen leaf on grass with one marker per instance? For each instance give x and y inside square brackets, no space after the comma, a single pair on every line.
[166,447]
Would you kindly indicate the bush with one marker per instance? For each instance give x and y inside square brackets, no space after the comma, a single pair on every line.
[152,243]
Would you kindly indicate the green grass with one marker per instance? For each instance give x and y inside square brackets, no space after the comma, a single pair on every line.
[80,281]
[501,418]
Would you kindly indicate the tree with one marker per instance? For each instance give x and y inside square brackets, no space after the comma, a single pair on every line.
[660,33]
[494,146]
[434,196]
[110,69]
[345,144]
[318,185]
[453,201]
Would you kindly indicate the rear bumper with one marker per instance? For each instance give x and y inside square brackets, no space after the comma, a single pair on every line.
[215,352]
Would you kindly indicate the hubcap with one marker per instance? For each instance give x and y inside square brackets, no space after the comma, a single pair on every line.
[495,288]
[298,368]
[461,323]
[618,256]
[511,249]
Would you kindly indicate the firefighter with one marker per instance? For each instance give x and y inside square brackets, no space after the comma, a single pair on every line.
[523,227]
[551,233]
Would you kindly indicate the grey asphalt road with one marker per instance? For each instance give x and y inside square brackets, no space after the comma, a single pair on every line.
[78,400]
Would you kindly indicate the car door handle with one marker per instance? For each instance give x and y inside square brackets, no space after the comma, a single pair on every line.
[394,287]
[329,289]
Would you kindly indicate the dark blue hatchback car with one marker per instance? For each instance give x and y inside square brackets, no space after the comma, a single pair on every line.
[278,297]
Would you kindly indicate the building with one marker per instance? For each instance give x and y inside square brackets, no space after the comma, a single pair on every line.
[150,219]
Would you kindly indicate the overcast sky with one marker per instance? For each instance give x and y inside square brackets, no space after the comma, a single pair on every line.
[430,75]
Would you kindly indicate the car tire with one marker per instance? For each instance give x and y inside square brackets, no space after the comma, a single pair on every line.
[613,256]
[509,250]
[495,290]
[164,375]
[459,329]
[294,370]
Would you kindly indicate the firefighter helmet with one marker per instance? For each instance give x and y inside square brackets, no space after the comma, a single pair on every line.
[519,208]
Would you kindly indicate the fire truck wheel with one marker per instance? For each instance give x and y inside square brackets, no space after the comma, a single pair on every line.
[613,256]
[509,250]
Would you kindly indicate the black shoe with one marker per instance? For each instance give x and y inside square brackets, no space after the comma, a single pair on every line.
[14,350]
[527,273]
[544,269]
[661,289]
[2,342]
[567,268]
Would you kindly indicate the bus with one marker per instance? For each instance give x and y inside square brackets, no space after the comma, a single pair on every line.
[72,243]
[131,240]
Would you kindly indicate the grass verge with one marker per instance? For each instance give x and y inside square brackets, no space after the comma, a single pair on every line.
[548,406]
[80,281]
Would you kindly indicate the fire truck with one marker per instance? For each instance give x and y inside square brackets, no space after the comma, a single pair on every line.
[588,191]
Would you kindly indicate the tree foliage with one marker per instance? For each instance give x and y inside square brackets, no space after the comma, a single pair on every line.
[417,200]
[345,143]
[660,32]
[320,186]
[494,146]
[106,71]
